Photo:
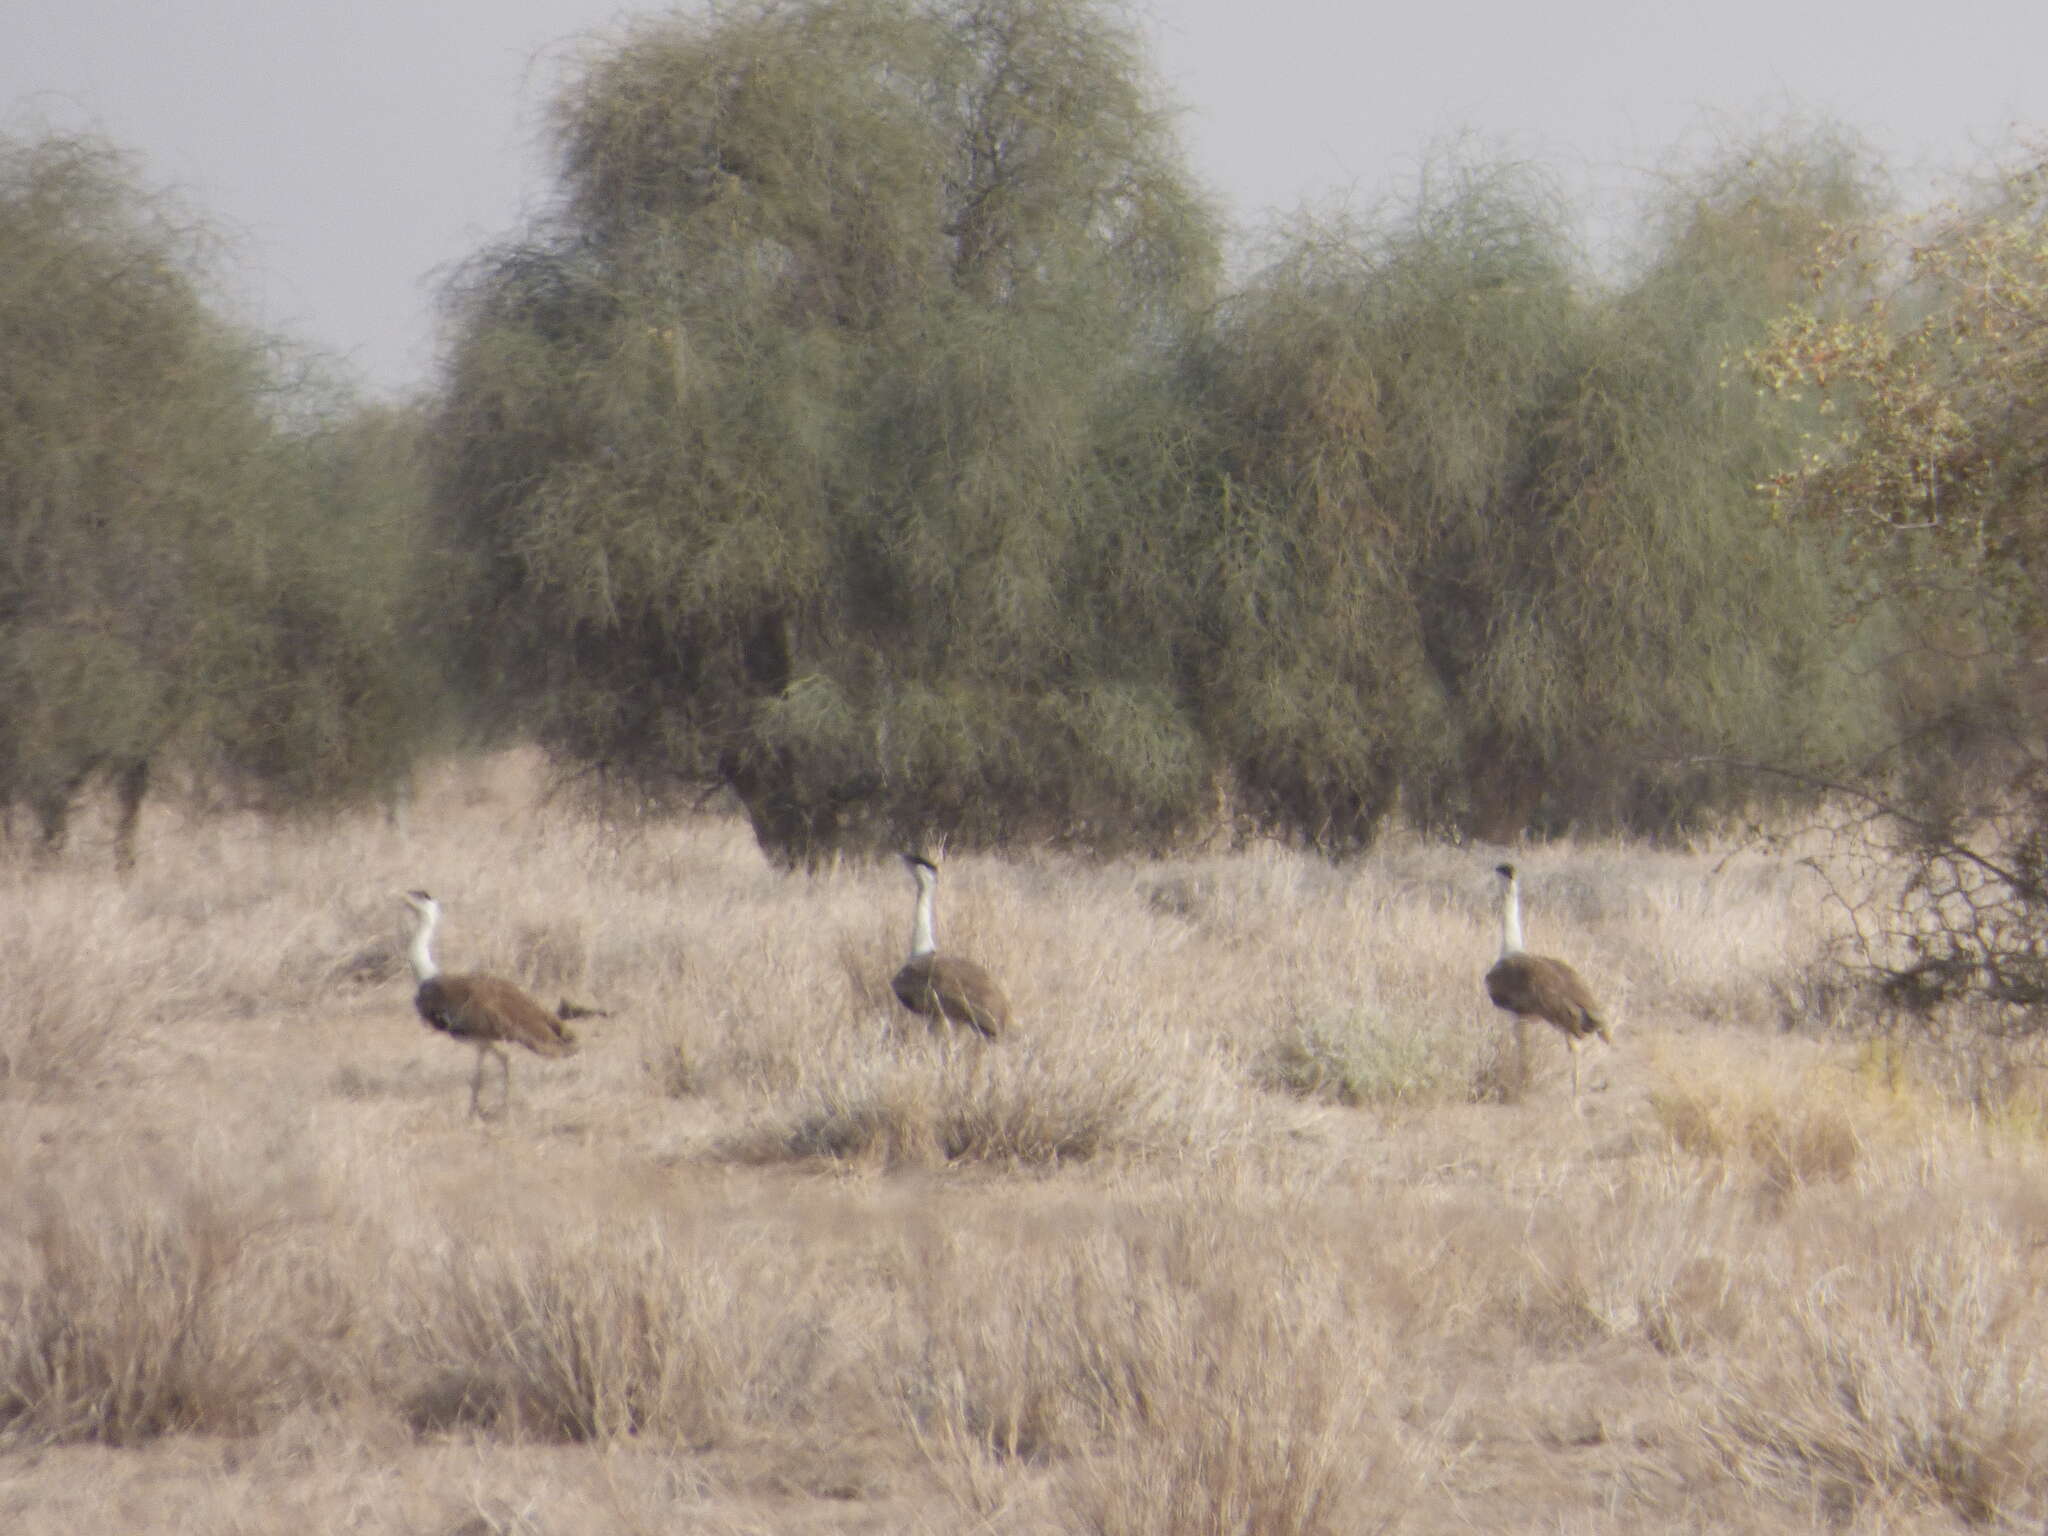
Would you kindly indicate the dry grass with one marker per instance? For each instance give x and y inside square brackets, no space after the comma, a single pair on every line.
[1257,1224]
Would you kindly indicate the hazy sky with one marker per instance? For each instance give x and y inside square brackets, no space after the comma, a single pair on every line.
[354,151]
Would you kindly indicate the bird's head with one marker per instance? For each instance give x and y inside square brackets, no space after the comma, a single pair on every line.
[421,903]
[919,866]
[1505,871]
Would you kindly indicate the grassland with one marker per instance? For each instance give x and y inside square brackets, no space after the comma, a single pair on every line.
[1259,1224]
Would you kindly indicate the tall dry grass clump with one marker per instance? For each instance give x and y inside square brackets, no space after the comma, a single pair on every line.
[63,1006]
[602,1333]
[1178,1370]
[1086,1090]
[176,1300]
[1911,1380]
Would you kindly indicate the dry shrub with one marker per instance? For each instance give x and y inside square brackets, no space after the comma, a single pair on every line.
[1914,1379]
[1237,1386]
[68,980]
[1260,1428]
[1740,941]
[866,967]
[1698,1306]
[996,1352]
[1365,1058]
[1790,1131]
[673,1069]
[1593,1259]
[2003,1081]
[1180,1370]
[1070,1098]
[169,1304]
[604,1333]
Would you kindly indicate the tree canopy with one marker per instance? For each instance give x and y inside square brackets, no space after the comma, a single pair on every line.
[791,452]
[866,429]
[162,529]
[1482,525]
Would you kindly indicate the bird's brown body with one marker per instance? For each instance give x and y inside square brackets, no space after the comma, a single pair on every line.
[956,991]
[487,1008]
[1538,987]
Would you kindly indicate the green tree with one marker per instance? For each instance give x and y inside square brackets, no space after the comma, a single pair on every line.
[795,452]
[162,511]
[333,682]
[1483,525]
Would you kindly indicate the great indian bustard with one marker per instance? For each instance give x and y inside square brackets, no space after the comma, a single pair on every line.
[1539,987]
[487,1011]
[945,986]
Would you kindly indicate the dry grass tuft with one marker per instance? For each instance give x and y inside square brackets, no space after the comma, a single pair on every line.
[62,1009]
[1789,1132]
[1261,1427]
[601,1334]
[1363,1059]
[1014,1103]
[1186,1374]
[168,1304]
[1915,1380]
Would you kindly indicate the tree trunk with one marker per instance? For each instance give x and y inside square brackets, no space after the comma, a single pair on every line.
[130,785]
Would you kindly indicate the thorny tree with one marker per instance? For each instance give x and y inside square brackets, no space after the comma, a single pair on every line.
[1934,479]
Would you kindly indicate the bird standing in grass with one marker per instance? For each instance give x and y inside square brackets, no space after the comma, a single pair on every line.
[487,1011]
[1539,987]
[945,986]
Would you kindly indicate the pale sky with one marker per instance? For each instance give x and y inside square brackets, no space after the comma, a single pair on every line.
[353,152]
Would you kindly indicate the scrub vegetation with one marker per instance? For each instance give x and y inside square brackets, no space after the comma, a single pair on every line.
[768,1254]
[871,446]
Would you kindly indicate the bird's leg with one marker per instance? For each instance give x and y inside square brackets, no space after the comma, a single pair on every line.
[505,1079]
[1574,1044]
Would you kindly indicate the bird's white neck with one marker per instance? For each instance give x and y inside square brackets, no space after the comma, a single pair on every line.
[921,942]
[1511,919]
[422,952]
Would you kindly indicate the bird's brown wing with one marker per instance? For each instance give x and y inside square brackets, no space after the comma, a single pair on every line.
[489,1008]
[913,985]
[1538,986]
[958,991]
